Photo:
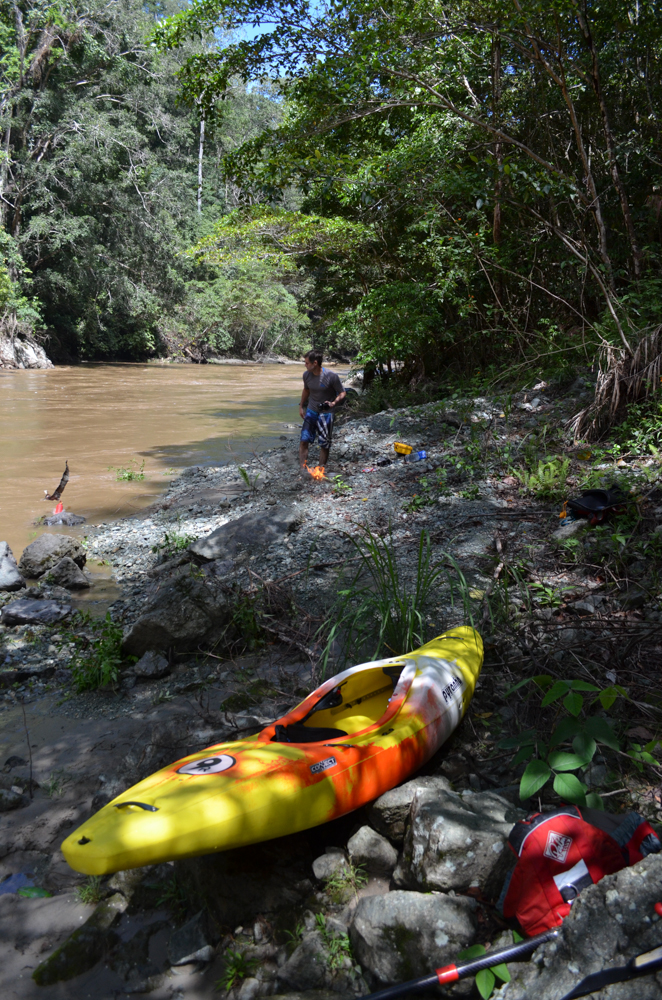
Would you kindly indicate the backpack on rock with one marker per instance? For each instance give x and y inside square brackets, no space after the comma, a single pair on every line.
[561,852]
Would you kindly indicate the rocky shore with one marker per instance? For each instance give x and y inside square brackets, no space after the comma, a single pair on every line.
[225,583]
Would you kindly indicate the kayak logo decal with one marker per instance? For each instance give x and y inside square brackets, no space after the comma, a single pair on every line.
[323,765]
[451,688]
[557,846]
[208,765]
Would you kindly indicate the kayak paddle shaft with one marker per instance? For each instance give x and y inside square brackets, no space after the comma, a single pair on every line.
[451,973]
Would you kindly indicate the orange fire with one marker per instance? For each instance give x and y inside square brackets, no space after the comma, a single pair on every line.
[317,472]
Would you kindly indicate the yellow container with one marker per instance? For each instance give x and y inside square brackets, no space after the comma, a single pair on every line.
[402,449]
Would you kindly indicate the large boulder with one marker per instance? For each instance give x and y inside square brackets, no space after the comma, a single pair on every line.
[406,934]
[369,850]
[28,612]
[66,573]
[609,924]
[456,841]
[184,614]
[47,550]
[305,969]
[151,666]
[388,814]
[10,578]
[250,533]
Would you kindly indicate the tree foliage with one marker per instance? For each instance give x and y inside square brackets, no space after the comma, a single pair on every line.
[505,154]
[98,184]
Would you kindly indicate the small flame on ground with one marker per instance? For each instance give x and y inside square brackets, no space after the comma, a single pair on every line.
[317,472]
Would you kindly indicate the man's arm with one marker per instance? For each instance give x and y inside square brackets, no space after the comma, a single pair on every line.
[304,399]
[337,386]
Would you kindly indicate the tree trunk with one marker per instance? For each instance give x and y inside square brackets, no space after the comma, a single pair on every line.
[498,146]
[200,153]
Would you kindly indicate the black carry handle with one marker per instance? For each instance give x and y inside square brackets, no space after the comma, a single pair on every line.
[451,973]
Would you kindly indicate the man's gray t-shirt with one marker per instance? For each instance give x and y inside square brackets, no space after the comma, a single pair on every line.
[323,388]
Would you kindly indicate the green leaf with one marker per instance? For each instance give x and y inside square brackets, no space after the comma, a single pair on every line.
[607,698]
[474,951]
[517,937]
[602,731]
[522,739]
[520,684]
[570,788]
[536,775]
[559,760]
[566,730]
[555,692]
[524,753]
[573,702]
[485,982]
[501,972]
[585,746]
[583,686]
[594,801]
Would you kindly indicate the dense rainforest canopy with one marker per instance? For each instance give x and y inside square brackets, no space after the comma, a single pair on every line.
[99,176]
[435,183]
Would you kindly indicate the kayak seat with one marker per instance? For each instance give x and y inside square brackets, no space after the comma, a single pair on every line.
[296,733]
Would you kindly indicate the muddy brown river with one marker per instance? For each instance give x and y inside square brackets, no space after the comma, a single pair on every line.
[104,417]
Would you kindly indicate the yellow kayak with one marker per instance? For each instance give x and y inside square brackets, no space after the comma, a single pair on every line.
[360,733]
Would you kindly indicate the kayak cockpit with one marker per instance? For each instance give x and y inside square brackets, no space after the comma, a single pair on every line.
[355,704]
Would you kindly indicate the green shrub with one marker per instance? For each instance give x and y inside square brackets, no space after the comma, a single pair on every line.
[97,661]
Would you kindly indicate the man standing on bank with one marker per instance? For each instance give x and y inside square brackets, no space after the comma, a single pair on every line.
[322,391]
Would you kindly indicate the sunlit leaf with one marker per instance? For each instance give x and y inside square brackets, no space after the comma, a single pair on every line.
[535,776]
[501,972]
[570,788]
[559,760]
[594,801]
[485,982]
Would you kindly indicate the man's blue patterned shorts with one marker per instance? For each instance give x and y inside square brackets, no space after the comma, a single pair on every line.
[320,424]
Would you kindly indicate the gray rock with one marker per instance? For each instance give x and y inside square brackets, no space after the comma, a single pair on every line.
[609,923]
[150,666]
[328,864]
[453,842]
[11,800]
[388,814]
[405,934]
[569,529]
[306,967]
[28,612]
[66,573]
[65,517]
[46,551]
[10,578]
[185,613]
[85,947]
[372,851]
[218,567]
[250,989]
[251,533]
[192,942]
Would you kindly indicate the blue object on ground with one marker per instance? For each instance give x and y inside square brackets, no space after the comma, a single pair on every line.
[416,456]
[15,882]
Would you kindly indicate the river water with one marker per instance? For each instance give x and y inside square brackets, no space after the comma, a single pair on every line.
[118,415]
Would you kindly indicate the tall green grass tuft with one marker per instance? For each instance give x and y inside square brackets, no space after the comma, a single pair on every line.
[381,612]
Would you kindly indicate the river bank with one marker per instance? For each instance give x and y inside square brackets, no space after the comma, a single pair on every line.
[270,544]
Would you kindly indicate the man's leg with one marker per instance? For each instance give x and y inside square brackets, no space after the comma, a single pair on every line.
[303,453]
[324,432]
